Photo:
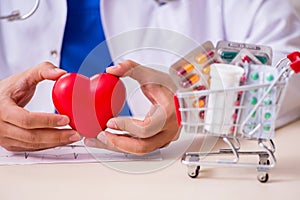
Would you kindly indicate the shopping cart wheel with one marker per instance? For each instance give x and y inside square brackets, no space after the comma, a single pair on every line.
[193,171]
[263,178]
[267,162]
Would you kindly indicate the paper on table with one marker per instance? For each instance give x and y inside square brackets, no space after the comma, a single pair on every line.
[75,153]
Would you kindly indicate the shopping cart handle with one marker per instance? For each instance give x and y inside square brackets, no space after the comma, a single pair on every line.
[176,102]
[295,61]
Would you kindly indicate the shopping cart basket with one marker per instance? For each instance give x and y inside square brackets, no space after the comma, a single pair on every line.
[249,122]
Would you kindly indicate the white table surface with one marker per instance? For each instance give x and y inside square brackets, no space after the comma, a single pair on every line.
[168,179]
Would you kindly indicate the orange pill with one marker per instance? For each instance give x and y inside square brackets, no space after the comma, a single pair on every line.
[199,103]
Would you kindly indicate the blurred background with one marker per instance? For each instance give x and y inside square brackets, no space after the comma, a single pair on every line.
[297,5]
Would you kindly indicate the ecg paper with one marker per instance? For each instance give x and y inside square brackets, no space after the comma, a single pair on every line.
[75,153]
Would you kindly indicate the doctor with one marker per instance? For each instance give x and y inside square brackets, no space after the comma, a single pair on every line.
[52,34]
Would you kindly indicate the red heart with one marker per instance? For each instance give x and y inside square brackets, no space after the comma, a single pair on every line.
[89,103]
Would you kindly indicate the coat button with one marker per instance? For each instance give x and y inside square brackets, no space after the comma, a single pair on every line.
[53,53]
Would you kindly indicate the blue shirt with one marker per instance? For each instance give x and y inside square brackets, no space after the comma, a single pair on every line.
[84,49]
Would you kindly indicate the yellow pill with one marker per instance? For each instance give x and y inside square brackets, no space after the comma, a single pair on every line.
[185,69]
[203,57]
[206,69]
[209,80]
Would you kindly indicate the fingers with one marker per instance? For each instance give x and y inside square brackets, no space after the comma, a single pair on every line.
[29,120]
[42,136]
[143,75]
[43,71]
[153,123]
[96,143]
[16,139]
[133,145]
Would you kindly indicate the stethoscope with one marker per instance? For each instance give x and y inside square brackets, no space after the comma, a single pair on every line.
[16,15]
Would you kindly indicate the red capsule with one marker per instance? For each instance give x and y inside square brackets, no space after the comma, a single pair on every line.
[237,103]
[246,59]
[201,114]
[232,129]
[243,79]
[234,116]
[199,88]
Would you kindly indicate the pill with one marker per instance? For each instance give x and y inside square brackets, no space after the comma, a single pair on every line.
[201,114]
[270,77]
[267,127]
[209,80]
[254,76]
[206,69]
[262,59]
[234,116]
[267,115]
[232,129]
[191,80]
[199,103]
[268,102]
[203,57]
[185,69]
[253,100]
[251,125]
[199,88]
[243,79]
[246,59]
[237,103]
[227,55]
[270,92]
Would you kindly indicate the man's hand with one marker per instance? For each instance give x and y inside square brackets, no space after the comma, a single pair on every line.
[159,126]
[21,130]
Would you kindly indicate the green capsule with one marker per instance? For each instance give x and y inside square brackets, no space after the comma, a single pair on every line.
[262,59]
[227,55]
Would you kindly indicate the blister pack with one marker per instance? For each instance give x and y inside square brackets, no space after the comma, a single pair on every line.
[259,104]
[192,71]
[227,51]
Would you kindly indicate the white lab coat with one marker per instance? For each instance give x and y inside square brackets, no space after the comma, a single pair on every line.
[152,35]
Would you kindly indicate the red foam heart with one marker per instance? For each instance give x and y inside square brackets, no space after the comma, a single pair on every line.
[89,103]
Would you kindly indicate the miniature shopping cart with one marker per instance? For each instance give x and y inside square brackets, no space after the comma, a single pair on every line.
[252,121]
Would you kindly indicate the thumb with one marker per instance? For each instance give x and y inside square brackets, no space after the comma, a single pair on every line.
[43,71]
